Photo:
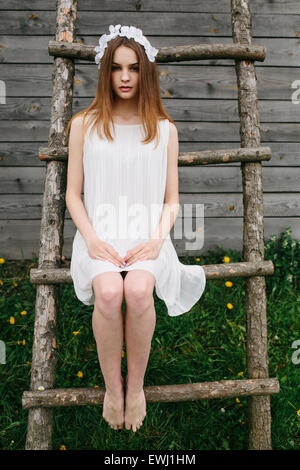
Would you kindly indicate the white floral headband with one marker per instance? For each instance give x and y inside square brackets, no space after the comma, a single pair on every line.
[129,32]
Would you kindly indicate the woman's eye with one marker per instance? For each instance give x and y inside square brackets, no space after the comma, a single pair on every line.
[136,69]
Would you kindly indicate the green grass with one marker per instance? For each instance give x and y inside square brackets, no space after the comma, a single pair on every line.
[206,344]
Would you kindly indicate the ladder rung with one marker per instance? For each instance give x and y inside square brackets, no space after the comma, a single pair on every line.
[241,154]
[203,157]
[77,50]
[212,271]
[158,393]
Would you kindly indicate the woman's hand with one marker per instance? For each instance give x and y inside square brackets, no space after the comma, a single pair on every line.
[99,249]
[143,251]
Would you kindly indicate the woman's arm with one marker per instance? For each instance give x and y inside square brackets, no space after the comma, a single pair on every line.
[171,200]
[74,202]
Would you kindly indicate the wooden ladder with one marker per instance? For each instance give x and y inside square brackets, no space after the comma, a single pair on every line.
[42,397]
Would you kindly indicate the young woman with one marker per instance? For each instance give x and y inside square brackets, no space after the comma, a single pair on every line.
[122,246]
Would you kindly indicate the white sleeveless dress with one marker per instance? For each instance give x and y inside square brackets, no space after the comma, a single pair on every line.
[128,177]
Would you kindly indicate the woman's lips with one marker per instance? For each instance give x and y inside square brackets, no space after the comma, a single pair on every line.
[125,88]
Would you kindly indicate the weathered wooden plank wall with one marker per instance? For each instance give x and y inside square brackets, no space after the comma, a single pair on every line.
[201,96]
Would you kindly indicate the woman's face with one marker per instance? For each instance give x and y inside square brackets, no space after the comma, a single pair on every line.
[125,72]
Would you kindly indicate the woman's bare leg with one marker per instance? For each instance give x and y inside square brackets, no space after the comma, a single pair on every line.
[140,323]
[107,322]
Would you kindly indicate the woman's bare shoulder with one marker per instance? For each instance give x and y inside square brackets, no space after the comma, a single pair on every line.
[173,133]
[172,126]
[77,122]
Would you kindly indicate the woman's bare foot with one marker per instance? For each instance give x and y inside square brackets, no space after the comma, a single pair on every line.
[113,408]
[135,411]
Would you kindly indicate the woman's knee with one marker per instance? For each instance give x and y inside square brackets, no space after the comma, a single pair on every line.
[138,290]
[108,290]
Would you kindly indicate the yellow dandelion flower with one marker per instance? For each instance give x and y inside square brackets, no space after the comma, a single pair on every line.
[123,353]
[24,342]
[12,320]
[226,259]
[24,312]
[2,260]
[240,373]
[298,412]
[228,284]
[1,282]
[96,386]
[197,259]
[76,333]
[79,374]
[230,306]
[18,342]
[237,400]
[62,447]
[15,283]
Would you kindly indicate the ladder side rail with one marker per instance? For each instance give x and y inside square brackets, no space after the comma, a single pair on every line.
[44,352]
[253,231]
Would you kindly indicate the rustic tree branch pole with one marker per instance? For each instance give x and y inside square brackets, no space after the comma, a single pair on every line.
[77,50]
[203,157]
[253,233]
[154,393]
[212,271]
[44,357]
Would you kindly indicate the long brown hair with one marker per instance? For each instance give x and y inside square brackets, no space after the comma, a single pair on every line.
[150,106]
